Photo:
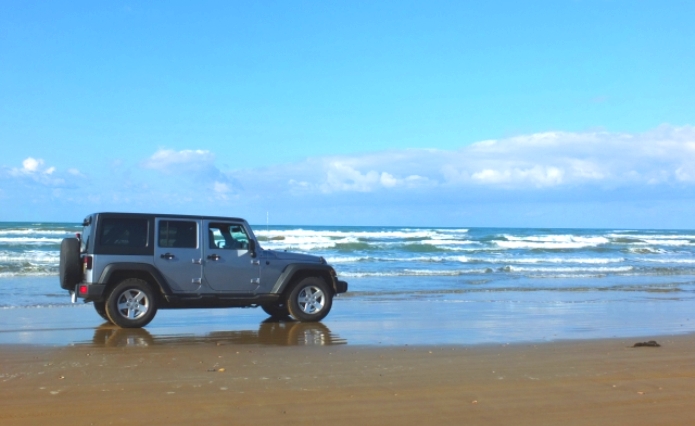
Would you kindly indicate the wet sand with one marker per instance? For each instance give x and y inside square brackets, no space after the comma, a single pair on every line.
[374,360]
[227,381]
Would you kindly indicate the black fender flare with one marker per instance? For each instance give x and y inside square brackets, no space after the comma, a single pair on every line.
[114,268]
[307,269]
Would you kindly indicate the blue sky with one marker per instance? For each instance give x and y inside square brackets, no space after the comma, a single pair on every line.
[437,113]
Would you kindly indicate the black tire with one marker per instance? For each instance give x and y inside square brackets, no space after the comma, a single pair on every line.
[100,307]
[70,269]
[131,304]
[276,310]
[310,300]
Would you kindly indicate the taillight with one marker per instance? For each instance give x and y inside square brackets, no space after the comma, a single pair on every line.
[83,289]
[87,262]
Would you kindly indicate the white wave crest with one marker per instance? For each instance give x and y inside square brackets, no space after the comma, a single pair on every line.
[681,261]
[444,242]
[474,259]
[39,273]
[668,242]
[416,273]
[30,240]
[550,242]
[451,231]
[308,239]
[31,231]
[510,268]
[647,250]
[31,256]
[654,236]
[341,234]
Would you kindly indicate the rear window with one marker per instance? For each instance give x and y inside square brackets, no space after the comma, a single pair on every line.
[123,233]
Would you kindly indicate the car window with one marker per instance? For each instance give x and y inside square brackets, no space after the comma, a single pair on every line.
[86,232]
[178,234]
[121,232]
[227,236]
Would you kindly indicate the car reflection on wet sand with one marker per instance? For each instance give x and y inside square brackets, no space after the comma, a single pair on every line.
[271,332]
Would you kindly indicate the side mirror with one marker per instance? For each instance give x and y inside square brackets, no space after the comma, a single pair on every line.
[252,247]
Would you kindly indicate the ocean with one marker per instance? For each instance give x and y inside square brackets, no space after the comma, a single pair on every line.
[403,262]
[545,282]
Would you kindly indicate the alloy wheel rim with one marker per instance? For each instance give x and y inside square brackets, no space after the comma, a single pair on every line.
[311,300]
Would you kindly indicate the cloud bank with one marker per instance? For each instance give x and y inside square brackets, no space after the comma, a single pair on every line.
[545,179]
[537,162]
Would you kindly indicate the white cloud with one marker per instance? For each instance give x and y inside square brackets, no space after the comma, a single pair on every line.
[664,156]
[387,180]
[33,170]
[194,165]
[221,188]
[342,177]
[539,176]
[174,162]
[31,165]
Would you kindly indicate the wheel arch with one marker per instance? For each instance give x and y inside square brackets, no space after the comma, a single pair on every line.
[117,272]
[296,272]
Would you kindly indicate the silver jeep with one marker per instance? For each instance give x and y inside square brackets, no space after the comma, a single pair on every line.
[129,265]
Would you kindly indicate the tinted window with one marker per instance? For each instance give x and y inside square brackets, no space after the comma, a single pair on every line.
[177,233]
[86,232]
[123,232]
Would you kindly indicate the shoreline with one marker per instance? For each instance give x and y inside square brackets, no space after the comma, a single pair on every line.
[517,318]
[605,381]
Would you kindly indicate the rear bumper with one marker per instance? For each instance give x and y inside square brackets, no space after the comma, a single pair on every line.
[341,286]
[90,292]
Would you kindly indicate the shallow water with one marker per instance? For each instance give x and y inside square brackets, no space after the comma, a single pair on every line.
[429,318]
[407,286]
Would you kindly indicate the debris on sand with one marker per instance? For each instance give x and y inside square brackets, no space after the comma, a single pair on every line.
[651,343]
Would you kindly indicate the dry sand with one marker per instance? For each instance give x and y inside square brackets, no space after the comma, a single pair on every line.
[568,383]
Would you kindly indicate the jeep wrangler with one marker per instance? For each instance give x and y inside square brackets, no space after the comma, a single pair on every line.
[129,265]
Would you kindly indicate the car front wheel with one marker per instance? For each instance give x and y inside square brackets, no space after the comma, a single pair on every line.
[310,300]
[276,310]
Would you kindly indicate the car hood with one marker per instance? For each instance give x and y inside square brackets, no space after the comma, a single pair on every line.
[293,257]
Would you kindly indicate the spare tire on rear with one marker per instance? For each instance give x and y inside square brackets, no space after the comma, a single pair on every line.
[70,268]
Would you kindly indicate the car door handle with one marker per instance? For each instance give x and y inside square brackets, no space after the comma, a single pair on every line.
[214,257]
[167,256]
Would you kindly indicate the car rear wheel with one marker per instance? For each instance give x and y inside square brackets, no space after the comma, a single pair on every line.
[100,307]
[131,304]
[310,300]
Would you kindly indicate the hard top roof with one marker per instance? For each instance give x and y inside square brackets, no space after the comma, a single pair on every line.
[181,216]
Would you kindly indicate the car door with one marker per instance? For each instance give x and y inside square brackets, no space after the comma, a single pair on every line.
[228,263]
[178,253]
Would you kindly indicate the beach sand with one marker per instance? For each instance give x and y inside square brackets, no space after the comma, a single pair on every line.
[581,382]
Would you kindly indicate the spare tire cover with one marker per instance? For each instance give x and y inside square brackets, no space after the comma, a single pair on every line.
[70,272]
